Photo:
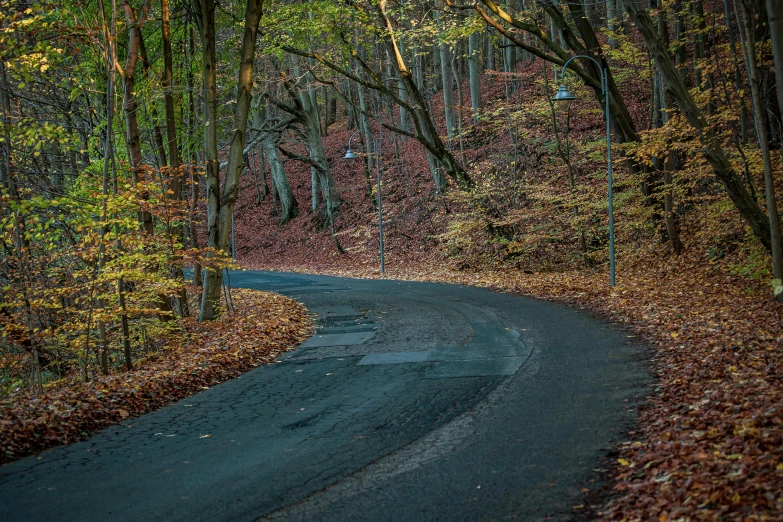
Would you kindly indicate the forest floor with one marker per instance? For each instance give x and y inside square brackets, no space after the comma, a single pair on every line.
[262,326]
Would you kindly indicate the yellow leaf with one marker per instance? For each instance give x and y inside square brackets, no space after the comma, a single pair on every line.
[675,335]
[623,462]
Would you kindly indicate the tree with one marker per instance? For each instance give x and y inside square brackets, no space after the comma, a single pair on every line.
[220,203]
[711,146]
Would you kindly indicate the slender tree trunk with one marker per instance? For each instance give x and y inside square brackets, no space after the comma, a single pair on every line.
[135,152]
[174,170]
[125,328]
[403,95]
[737,72]
[210,297]
[445,75]
[5,106]
[762,127]
[308,115]
[474,70]
[364,125]
[130,105]
[460,104]
[667,164]
[157,139]
[611,9]
[108,155]
[775,20]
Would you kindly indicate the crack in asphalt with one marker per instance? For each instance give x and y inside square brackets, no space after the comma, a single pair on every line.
[430,447]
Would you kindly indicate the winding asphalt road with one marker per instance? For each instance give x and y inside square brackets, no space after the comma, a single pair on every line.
[413,402]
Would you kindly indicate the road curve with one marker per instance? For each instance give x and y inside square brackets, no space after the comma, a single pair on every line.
[413,402]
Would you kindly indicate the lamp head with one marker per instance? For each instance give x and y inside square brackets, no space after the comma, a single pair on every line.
[350,155]
[563,96]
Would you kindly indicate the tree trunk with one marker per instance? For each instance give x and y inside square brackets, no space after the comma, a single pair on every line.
[289,208]
[307,112]
[474,71]
[425,128]
[668,163]
[130,104]
[775,20]
[403,95]
[713,152]
[445,75]
[737,73]
[460,104]
[761,123]
[611,10]
[220,207]
[364,126]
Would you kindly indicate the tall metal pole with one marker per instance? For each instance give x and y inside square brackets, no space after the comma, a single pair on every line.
[563,95]
[380,209]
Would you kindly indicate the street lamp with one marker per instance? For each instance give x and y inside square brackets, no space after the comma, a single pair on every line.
[350,155]
[564,97]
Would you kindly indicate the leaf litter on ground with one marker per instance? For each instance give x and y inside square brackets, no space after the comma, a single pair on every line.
[263,326]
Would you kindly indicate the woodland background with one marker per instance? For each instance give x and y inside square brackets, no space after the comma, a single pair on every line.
[145,141]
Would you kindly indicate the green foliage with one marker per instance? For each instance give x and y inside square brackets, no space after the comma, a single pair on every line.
[66,258]
[328,24]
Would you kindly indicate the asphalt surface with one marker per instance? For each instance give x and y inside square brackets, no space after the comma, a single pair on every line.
[413,402]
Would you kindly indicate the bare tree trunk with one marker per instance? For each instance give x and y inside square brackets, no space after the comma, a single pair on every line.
[460,104]
[445,75]
[775,20]
[490,65]
[737,73]
[157,141]
[108,154]
[611,13]
[761,123]
[474,69]
[283,191]
[402,94]
[5,106]
[174,171]
[308,115]
[288,204]
[130,104]
[667,163]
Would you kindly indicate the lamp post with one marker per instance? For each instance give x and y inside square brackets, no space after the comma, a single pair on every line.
[564,96]
[350,155]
